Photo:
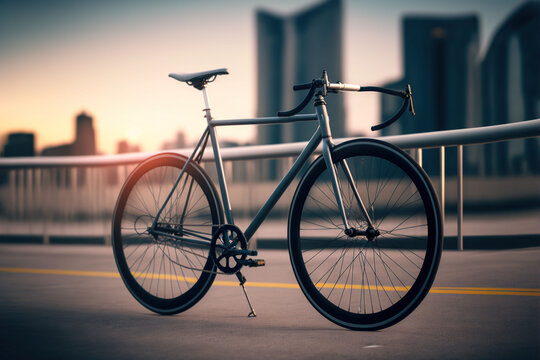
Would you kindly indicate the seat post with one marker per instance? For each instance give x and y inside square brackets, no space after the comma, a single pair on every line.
[206,105]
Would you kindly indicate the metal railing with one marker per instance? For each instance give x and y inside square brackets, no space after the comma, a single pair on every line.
[40,187]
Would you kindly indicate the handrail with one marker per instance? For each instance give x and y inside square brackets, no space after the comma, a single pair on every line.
[478,135]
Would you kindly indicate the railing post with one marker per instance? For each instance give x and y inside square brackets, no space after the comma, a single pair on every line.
[46,184]
[13,193]
[251,180]
[460,197]
[20,194]
[442,184]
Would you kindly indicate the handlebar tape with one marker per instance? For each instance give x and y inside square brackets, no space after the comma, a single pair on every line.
[302,105]
[402,94]
[302,86]
[394,118]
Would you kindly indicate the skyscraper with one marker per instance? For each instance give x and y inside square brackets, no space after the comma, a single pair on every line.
[441,65]
[295,49]
[511,89]
[85,138]
[440,62]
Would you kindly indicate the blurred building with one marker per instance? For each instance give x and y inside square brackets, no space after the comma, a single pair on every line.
[178,143]
[19,144]
[123,146]
[440,63]
[511,90]
[85,139]
[291,50]
[84,144]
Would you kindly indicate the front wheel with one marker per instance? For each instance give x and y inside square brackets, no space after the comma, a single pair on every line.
[366,282]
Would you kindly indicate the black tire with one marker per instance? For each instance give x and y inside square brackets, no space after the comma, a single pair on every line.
[358,283]
[165,275]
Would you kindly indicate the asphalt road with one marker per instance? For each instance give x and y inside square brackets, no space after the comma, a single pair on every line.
[66,302]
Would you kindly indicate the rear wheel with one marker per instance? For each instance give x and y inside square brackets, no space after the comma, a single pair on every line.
[166,274]
[366,282]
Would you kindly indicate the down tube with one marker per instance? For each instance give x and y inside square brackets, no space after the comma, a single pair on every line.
[283,185]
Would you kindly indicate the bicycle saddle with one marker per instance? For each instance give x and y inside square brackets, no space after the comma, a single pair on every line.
[199,79]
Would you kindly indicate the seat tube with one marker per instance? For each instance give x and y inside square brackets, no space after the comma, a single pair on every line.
[327,145]
[219,162]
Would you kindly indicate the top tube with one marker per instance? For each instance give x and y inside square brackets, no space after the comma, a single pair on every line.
[263,120]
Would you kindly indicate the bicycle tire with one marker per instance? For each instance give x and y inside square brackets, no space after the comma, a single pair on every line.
[165,275]
[395,190]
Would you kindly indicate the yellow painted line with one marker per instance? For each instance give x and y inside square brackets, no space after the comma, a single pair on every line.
[363,287]
[485,289]
[61,272]
[274,285]
[163,277]
[259,284]
[473,292]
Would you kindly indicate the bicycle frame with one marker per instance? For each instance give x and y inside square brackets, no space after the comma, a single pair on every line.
[322,134]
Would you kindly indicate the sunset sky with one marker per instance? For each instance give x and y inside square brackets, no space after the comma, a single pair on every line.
[111,59]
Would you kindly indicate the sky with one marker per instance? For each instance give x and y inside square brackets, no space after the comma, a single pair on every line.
[111,59]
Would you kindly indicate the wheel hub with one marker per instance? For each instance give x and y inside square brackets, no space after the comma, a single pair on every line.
[370,233]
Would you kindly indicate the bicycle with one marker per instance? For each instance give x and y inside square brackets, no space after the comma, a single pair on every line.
[364,226]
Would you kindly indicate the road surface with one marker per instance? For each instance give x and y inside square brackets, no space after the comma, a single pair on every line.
[67,302]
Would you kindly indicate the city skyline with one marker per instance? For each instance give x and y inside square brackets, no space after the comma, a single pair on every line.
[104,60]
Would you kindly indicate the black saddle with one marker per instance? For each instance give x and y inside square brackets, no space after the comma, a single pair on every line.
[200,79]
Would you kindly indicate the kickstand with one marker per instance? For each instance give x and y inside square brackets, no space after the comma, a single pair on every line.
[242,280]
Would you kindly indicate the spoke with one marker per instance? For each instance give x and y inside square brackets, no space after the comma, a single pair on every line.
[320,250]
[312,271]
[381,187]
[412,237]
[330,271]
[393,209]
[377,278]
[319,226]
[401,267]
[323,212]
[138,261]
[387,274]
[173,270]
[352,278]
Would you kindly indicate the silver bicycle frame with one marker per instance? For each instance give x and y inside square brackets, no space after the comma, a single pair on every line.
[322,134]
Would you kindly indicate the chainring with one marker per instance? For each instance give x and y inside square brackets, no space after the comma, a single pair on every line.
[227,240]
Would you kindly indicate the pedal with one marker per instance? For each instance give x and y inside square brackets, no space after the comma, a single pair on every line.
[256,262]
[253,262]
